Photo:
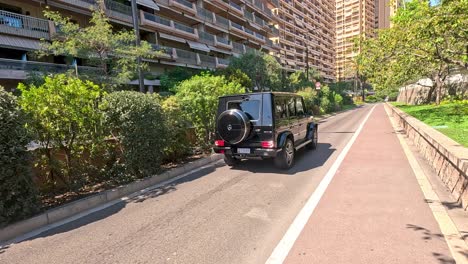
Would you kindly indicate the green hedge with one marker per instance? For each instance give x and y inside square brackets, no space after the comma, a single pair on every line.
[17,192]
[136,121]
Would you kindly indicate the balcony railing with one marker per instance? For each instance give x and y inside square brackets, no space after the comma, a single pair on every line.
[222,40]
[249,15]
[238,47]
[249,31]
[157,19]
[183,27]
[223,61]
[26,26]
[205,14]
[118,10]
[81,3]
[165,50]
[260,36]
[185,3]
[222,21]
[235,25]
[207,61]
[187,57]
[206,37]
[7,64]
[236,6]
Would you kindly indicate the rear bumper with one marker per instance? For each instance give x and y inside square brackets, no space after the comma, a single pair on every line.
[254,152]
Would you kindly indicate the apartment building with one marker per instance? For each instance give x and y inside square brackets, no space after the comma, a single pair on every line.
[307,35]
[355,19]
[383,12]
[202,34]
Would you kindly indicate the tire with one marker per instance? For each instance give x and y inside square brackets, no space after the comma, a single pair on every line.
[285,158]
[230,160]
[233,126]
[313,144]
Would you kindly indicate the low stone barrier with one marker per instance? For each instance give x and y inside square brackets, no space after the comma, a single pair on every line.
[79,206]
[448,158]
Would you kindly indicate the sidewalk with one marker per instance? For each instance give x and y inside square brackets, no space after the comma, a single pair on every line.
[373,210]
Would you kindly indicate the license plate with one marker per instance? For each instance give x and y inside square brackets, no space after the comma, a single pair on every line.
[243,150]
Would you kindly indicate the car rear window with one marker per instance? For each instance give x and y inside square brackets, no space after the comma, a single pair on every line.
[251,108]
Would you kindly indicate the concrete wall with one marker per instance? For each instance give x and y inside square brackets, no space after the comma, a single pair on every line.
[448,158]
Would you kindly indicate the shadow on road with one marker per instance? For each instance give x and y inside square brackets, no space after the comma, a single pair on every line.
[305,160]
[427,234]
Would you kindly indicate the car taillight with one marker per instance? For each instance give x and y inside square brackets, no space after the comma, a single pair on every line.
[267,144]
[219,143]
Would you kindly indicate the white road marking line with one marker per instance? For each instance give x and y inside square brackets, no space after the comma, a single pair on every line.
[452,237]
[282,249]
[101,207]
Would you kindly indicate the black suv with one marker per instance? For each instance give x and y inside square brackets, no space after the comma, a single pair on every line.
[263,125]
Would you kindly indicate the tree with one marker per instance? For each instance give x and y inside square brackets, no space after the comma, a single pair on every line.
[171,79]
[299,79]
[199,99]
[424,41]
[64,120]
[263,69]
[16,184]
[115,53]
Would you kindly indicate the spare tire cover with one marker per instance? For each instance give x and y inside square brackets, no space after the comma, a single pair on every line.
[233,126]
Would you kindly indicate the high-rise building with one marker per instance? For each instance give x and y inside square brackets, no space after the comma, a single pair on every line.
[383,11]
[355,19]
[201,34]
[307,35]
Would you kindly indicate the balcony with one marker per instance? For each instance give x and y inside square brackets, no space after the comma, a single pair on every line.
[186,57]
[221,21]
[238,47]
[207,61]
[205,15]
[222,63]
[222,42]
[206,38]
[118,11]
[85,4]
[184,6]
[35,66]
[164,52]
[168,26]
[24,26]
[236,8]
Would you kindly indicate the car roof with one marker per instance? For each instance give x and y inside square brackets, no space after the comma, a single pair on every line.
[273,93]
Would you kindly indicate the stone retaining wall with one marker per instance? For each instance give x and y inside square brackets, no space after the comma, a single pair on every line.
[447,157]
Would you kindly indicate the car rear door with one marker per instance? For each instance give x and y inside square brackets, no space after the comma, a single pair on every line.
[302,119]
[293,118]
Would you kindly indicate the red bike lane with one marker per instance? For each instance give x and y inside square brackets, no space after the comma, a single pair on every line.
[373,211]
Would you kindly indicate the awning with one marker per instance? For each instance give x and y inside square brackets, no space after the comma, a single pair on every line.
[220,50]
[148,3]
[291,63]
[173,38]
[198,46]
[19,43]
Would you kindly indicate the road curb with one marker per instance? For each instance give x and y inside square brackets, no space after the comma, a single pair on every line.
[448,158]
[71,209]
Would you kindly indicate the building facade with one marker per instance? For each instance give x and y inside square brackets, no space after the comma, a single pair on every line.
[355,19]
[202,34]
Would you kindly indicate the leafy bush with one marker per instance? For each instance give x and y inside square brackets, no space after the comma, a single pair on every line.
[177,145]
[338,99]
[65,121]
[17,192]
[199,99]
[311,100]
[373,99]
[171,79]
[136,122]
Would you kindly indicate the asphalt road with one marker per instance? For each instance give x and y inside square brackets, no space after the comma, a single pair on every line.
[217,215]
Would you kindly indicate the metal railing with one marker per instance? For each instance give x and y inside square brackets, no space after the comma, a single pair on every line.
[222,21]
[183,27]
[21,25]
[236,6]
[205,14]
[157,19]
[8,64]
[259,21]
[80,3]
[223,61]
[222,40]
[185,3]
[207,61]
[186,56]
[163,49]
[234,24]
[238,47]
[249,31]
[249,15]
[118,10]
[206,37]
[260,36]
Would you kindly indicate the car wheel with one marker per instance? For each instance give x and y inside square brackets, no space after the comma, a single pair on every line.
[231,160]
[285,158]
[313,144]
